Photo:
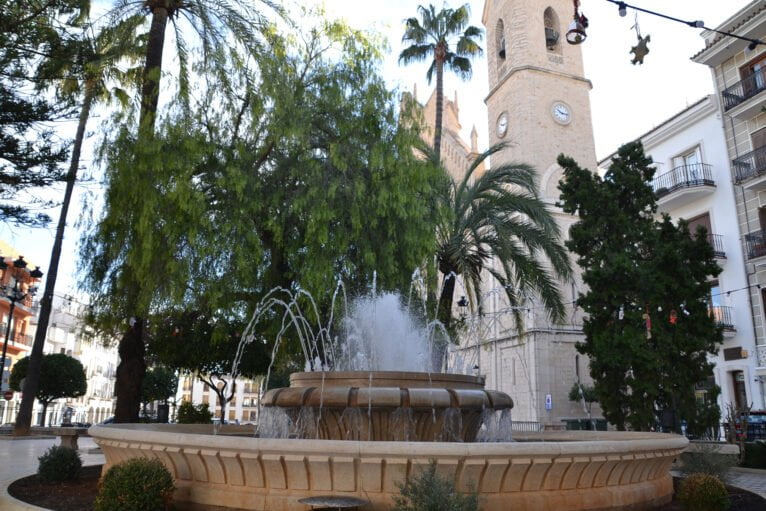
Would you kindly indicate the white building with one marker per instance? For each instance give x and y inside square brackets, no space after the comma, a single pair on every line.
[693,182]
[67,334]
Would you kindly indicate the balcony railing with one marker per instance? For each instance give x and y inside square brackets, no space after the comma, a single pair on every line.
[26,340]
[750,165]
[716,241]
[744,89]
[723,316]
[685,176]
[755,244]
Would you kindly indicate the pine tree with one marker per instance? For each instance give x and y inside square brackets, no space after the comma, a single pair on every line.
[648,330]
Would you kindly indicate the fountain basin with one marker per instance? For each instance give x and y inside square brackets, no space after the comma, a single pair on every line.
[387,405]
[565,471]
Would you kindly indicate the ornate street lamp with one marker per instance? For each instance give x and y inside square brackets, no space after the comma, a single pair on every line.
[19,291]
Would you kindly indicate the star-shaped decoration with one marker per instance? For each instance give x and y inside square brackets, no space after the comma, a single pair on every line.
[640,50]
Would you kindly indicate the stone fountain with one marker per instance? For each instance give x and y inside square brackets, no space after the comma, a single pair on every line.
[362,433]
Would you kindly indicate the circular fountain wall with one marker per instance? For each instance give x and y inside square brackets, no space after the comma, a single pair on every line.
[572,470]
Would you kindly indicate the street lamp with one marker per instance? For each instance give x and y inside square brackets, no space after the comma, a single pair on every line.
[20,290]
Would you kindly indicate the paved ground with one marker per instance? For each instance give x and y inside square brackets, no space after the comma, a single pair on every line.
[19,459]
[750,479]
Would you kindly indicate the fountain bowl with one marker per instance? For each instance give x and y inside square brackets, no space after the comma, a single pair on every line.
[386,405]
[565,471]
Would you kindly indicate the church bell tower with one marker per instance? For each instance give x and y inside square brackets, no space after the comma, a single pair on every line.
[538,97]
[538,104]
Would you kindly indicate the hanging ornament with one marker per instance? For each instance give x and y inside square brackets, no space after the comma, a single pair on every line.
[176,332]
[673,317]
[641,49]
[648,320]
[621,314]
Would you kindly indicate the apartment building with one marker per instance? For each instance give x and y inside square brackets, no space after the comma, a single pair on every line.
[738,67]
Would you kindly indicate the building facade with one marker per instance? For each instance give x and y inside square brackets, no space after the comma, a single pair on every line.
[739,72]
[18,330]
[68,334]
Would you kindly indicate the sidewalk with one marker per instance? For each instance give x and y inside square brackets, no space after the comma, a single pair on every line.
[19,459]
[750,479]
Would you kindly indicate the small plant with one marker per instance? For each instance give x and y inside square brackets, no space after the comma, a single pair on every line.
[191,414]
[703,492]
[59,463]
[431,492]
[707,459]
[138,483]
[755,455]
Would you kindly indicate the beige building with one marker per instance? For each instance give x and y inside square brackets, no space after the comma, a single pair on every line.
[739,72]
[456,154]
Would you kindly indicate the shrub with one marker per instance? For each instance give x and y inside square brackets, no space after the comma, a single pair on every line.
[138,483]
[191,414]
[430,492]
[703,492]
[755,455]
[708,459]
[59,463]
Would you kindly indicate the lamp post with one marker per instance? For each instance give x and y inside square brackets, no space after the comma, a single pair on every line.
[19,291]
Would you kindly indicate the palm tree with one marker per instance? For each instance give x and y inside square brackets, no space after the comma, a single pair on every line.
[499,215]
[89,66]
[223,28]
[431,37]
[217,23]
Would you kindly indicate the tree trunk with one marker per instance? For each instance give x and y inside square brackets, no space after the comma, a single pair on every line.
[130,374]
[150,89]
[439,56]
[32,380]
[445,299]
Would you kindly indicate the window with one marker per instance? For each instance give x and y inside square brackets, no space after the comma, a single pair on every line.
[753,75]
[552,30]
[687,167]
[500,41]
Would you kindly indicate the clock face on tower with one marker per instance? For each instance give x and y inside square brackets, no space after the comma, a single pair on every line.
[561,113]
[502,124]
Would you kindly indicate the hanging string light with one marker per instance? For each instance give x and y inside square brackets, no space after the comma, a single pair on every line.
[622,9]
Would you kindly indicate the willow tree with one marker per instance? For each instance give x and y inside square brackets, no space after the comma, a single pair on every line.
[446,38]
[295,171]
[220,31]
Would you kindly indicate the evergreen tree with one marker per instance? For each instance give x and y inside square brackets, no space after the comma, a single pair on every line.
[30,153]
[648,330]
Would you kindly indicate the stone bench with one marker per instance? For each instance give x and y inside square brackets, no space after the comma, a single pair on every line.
[68,435]
[330,502]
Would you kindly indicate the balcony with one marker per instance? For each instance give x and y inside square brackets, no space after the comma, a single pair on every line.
[723,316]
[739,100]
[683,185]
[716,241]
[755,244]
[750,170]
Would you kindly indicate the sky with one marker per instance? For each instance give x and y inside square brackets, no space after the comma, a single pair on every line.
[626,100]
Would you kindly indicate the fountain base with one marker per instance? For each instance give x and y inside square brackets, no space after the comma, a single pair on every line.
[568,470]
